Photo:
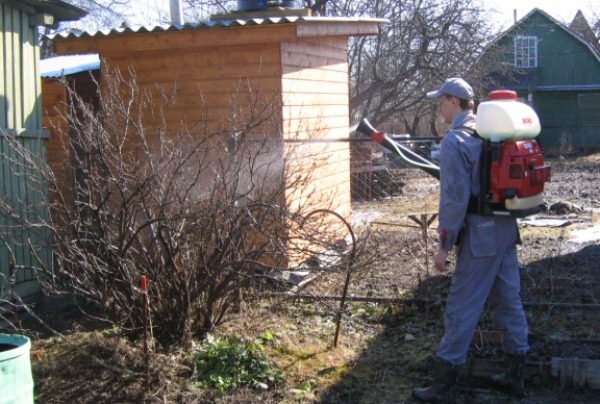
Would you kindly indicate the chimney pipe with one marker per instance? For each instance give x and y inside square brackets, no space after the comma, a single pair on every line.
[515,15]
[176,12]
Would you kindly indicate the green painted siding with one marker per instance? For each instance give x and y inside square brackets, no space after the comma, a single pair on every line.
[26,192]
[20,84]
[21,122]
[558,115]
[570,119]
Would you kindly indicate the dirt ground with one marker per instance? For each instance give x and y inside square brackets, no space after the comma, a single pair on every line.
[384,348]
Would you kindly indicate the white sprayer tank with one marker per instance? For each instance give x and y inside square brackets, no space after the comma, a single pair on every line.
[503,117]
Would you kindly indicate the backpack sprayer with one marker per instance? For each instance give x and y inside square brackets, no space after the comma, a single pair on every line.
[512,168]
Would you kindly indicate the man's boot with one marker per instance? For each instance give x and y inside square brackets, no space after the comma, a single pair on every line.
[442,390]
[511,379]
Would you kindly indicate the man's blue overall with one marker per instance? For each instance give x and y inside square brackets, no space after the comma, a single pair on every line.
[487,267]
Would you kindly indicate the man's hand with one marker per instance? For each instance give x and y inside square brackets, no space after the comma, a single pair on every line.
[440,260]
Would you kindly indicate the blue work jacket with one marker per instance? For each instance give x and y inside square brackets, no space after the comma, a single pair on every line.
[460,155]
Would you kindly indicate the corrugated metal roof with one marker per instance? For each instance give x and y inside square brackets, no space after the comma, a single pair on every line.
[64,65]
[61,10]
[216,24]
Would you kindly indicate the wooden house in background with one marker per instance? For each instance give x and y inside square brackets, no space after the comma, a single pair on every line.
[21,121]
[556,68]
[297,66]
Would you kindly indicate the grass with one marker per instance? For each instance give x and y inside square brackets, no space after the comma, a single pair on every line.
[383,350]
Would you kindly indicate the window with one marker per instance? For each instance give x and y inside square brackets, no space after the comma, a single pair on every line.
[526,51]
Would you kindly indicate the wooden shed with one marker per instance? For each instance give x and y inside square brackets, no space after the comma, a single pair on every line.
[299,64]
[21,121]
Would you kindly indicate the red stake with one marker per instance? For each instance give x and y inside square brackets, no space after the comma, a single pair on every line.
[144,283]
[144,287]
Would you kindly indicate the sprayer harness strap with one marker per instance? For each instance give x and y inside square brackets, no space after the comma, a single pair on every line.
[477,203]
[470,131]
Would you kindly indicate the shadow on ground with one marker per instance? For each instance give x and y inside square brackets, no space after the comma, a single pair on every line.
[397,359]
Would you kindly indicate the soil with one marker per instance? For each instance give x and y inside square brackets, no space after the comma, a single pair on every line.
[384,349]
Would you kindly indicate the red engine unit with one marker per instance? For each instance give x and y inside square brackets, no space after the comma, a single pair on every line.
[518,171]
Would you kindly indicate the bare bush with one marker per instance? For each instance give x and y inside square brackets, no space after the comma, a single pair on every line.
[202,213]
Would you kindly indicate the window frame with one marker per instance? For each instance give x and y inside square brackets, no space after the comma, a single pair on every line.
[524,46]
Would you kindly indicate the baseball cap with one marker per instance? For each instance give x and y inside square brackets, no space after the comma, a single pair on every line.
[456,87]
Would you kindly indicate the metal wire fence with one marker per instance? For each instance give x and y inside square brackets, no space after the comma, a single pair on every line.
[378,173]
[397,204]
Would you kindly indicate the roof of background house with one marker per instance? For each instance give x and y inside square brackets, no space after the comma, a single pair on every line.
[581,26]
[65,65]
[61,10]
[218,23]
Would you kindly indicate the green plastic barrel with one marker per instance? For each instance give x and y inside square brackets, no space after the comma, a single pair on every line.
[16,381]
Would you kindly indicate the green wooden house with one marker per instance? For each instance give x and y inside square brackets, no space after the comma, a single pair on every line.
[555,68]
[21,121]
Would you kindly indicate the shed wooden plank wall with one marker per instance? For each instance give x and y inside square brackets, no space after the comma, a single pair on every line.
[209,83]
[54,99]
[315,95]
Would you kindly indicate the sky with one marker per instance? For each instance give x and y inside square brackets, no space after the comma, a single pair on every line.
[501,10]
[562,10]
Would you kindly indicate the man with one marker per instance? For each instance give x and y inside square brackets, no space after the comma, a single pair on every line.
[487,268]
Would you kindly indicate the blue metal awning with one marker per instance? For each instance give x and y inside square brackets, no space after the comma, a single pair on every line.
[569,87]
[65,65]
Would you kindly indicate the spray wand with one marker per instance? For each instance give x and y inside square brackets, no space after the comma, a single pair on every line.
[404,152]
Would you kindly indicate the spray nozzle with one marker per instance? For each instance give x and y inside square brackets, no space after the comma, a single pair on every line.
[366,128]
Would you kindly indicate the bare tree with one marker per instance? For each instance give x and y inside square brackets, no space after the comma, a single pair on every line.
[595,24]
[424,42]
[196,10]
[101,14]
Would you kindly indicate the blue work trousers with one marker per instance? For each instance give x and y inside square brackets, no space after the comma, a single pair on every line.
[487,269]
